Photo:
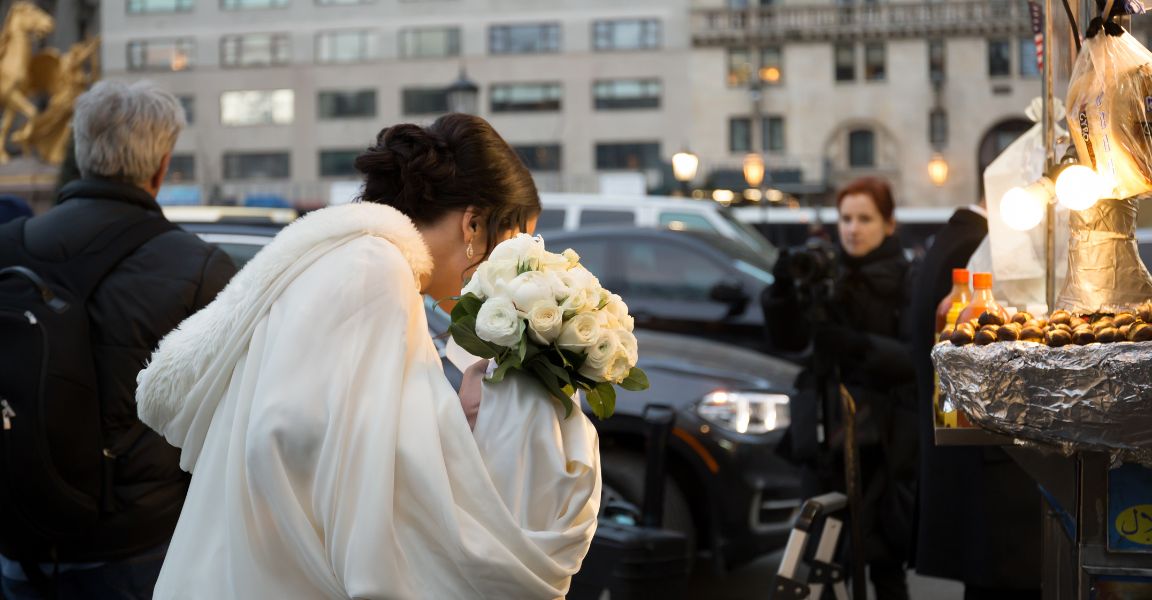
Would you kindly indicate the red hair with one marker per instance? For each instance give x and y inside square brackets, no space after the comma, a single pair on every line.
[875,188]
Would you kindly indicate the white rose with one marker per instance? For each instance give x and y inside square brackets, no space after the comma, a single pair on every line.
[522,249]
[499,323]
[579,333]
[573,258]
[553,262]
[601,353]
[619,309]
[490,277]
[545,322]
[577,302]
[529,289]
[619,369]
[583,290]
[629,346]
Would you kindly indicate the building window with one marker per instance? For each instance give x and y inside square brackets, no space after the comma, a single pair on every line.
[159,6]
[936,62]
[938,127]
[188,103]
[181,168]
[1029,66]
[345,46]
[525,97]
[740,67]
[845,55]
[257,165]
[999,58]
[541,157]
[255,50]
[351,104]
[524,39]
[250,4]
[875,68]
[630,156]
[342,2]
[257,107]
[861,149]
[626,34]
[425,101]
[626,93]
[430,43]
[771,65]
[739,134]
[161,55]
[772,134]
[338,163]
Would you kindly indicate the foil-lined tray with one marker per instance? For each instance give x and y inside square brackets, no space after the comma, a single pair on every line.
[1096,397]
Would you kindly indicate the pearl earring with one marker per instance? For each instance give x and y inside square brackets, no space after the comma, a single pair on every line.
[468,251]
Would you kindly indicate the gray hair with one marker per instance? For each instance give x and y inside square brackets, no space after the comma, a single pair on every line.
[122,131]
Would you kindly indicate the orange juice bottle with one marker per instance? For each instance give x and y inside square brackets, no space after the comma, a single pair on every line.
[982,302]
[947,313]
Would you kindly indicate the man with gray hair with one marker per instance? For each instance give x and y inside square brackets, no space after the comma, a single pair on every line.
[92,517]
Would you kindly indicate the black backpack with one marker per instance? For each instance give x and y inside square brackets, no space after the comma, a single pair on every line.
[55,466]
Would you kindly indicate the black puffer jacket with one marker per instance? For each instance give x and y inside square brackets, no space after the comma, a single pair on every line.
[862,339]
[148,294]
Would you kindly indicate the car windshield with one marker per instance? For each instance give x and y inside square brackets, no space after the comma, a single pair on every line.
[750,236]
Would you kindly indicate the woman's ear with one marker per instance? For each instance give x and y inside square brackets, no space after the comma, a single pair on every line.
[470,224]
[890,226]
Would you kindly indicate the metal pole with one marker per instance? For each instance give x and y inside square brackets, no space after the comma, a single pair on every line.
[1049,159]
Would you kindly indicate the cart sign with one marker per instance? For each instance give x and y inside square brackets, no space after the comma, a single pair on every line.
[1130,509]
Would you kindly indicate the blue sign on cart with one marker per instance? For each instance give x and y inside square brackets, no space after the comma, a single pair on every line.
[1130,509]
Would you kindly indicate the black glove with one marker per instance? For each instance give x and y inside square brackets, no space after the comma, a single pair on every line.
[831,339]
[782,273]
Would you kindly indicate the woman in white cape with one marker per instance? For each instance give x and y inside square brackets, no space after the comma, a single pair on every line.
[330,457]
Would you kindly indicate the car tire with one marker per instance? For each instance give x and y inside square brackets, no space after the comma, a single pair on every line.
[623,479]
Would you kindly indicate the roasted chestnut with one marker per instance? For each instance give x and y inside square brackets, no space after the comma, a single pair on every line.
[1021,317]
[1123,319]
[1063,326]
[1060,317]
[1058,337]
[990,318]
[946,335]
[1123,332]
[1076,322]
[1084,336]
[1032,334]
[1102,323]
[963,335]
[1140,332]
[1008,333]
[985,337]
[1107,335]
[1145,313]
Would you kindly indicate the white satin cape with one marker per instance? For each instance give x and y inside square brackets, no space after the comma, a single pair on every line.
[330,456]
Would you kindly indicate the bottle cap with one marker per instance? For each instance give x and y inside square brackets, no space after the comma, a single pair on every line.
[982,280]
[960,276]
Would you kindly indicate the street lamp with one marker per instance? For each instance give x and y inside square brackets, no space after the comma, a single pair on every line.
[754,170]
[938,170]
[463,95]
[684,165]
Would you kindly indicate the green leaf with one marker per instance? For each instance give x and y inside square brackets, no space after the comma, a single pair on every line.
[522,351]
[636,381]
[466,305]
[464,332]
[561,373]
[602,399]
[502,369]
[552,385]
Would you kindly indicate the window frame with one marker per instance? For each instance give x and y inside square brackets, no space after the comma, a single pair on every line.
[556,148]
[871,49]
[273,122]
[282,38]
[368,46]
[622,102]
[735,123]
[350,173]
[871,163]
[188,43]
[320,104]
[838,69]
[649,150]
[603,34]
[1007,57]
[404,105]
[239,154]
[544,27]
[178,6]
[269,5]
[406,32]
[544,105]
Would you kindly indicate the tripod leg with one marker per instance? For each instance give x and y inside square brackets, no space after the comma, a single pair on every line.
[853,484]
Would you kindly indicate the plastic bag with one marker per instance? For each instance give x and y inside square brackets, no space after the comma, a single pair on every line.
[1110,108]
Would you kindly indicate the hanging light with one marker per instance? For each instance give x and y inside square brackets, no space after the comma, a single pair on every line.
[938,170]
[754,170]
[684,165]
[1079,187]
[1022,208]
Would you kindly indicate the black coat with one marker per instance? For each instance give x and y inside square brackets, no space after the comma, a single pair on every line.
[861,337]
[979,513]
[147,295]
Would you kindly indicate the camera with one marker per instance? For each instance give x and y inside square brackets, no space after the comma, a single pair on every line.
[813,268]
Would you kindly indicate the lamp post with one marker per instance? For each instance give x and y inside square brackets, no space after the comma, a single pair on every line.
[938,170]
[754,173]
[463,95]
[684,166]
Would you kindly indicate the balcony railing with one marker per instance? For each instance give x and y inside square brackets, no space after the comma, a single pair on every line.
[781,24]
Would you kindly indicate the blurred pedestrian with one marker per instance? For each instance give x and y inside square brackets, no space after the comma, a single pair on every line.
[12,208]
[855,332]
[979,513]
[102,497]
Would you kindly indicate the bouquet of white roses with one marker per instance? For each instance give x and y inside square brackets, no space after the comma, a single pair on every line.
[545,314]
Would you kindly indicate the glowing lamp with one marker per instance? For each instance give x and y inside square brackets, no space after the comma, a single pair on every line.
[1079,187]
[1023,208]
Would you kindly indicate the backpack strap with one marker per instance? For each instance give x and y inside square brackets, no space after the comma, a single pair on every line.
[84,272]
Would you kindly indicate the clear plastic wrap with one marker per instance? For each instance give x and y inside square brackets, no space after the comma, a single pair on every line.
[1095,397]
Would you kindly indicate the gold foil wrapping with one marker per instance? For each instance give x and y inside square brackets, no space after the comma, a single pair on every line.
[1105,273]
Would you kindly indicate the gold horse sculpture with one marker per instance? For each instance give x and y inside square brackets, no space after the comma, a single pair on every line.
[24,23]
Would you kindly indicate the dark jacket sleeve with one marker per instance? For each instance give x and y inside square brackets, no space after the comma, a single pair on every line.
[785,323]
[218,270]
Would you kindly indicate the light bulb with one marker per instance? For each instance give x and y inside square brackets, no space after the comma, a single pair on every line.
[1022,208]
[1079,187]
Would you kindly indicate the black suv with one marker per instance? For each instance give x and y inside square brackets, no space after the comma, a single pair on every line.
[726,488]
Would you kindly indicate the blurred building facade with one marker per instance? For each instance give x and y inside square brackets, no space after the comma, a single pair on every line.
[283,93]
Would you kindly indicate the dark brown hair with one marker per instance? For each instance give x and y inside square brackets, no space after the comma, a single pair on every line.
[875,188]
[456,162]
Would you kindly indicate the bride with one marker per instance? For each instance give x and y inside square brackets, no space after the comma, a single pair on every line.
[330,456]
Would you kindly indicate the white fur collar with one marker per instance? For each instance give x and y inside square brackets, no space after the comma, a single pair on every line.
[223,327]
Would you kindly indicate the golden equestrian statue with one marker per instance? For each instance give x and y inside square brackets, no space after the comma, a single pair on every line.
[24,76]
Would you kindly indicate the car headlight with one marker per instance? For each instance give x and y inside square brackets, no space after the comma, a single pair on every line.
[745,412]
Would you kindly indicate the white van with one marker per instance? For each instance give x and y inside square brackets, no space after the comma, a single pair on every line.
[578,211]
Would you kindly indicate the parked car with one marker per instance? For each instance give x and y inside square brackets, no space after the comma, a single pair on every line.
[726,488]
[688,282]
[571,212]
